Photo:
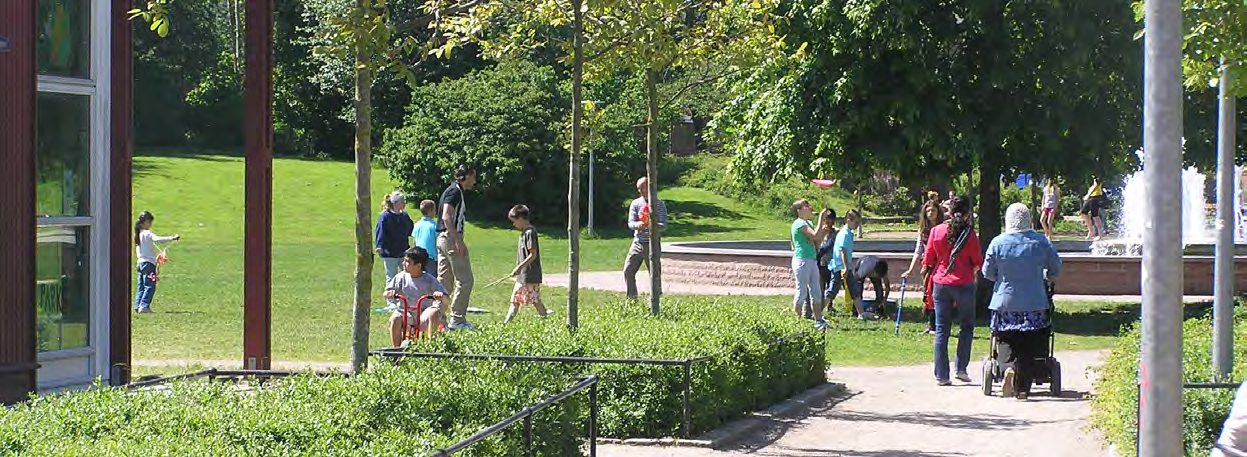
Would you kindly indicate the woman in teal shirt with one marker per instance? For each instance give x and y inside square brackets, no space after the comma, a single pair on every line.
[804,259]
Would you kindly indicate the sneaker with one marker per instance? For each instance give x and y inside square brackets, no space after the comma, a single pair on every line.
[1006,390]
[868,316]
[146,311]
[549,312]
[944,382]
[962,376]
[461,326]
[928,332]
[1022,396]
[820,325]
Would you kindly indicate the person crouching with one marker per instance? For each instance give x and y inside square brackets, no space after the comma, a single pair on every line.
[413,283]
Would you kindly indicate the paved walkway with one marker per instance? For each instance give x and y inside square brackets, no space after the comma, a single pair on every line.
[612,281]
[900,412]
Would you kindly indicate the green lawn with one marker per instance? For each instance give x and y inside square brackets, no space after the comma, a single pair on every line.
[199,301]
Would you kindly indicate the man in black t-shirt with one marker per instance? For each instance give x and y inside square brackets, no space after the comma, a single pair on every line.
[454,270]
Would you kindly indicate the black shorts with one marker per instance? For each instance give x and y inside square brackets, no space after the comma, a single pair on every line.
[1091,206]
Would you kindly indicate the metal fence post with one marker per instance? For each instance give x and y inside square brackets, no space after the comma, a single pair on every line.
[593,420]
[528,433]
[688,387]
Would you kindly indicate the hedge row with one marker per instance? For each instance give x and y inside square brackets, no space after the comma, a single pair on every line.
[1115,404]
[386,411]
[749,369]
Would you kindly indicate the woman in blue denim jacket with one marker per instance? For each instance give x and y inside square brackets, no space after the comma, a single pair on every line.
[1017,262]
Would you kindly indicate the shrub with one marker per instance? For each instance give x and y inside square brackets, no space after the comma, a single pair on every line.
[1115,405]
[387,411]
[510,122]
[747,372]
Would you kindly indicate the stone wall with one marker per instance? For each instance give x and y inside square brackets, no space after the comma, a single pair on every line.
[1082,275]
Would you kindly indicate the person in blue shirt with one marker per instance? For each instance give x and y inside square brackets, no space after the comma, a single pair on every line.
[1019,261]
[393,228]
[425,234]
[841,259]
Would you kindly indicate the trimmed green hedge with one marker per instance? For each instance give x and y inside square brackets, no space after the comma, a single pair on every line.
[386,411]
[748,371]
[1115,404]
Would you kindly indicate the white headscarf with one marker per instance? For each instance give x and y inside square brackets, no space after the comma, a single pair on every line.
[1017,218]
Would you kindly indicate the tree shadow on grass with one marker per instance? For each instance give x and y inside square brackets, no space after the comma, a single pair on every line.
[1108,321]
[685,218]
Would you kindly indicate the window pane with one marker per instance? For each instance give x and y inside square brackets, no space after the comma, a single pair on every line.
[63,154]
[62,288]
[64,30]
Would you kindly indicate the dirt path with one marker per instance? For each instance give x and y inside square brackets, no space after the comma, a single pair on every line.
[899,411]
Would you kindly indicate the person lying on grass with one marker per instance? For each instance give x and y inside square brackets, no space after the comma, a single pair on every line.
[413,283]
[527,271]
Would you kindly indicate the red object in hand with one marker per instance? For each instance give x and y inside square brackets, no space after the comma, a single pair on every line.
[162,258]
[645,215]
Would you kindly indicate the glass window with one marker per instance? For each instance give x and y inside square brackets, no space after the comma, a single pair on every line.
[62,286]
[62,154]
[64,43]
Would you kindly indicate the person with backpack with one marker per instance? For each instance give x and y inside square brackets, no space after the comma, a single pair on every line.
[955,256]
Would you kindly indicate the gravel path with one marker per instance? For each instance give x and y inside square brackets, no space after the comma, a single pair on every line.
[899,411]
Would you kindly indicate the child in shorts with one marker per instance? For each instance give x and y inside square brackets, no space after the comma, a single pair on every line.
[527,271]
[412,283]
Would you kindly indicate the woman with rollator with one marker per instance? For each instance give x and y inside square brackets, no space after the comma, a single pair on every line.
[1017,261]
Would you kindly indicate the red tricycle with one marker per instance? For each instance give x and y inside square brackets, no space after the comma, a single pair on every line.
[411,330]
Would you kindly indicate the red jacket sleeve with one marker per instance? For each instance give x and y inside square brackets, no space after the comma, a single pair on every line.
[929,259]
[976,250]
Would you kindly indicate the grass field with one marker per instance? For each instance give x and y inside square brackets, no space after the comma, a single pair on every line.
[199,301]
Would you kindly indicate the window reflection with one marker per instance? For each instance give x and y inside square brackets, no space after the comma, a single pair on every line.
[62,285]
[64,42]
[62,155]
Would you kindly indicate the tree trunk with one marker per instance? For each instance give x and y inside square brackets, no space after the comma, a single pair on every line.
[363,209]
[1036,213]
[651,171]
[988,220]
[573,174]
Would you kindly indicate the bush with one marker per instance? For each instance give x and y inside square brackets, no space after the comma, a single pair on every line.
[1115,405]
[510,122]
[747,372]
[387,411]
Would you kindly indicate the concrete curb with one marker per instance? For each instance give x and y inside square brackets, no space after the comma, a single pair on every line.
[739,428]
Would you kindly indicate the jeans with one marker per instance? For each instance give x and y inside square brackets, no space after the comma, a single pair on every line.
[637,254]
[946,298]
[393,265]
[806,273]
[455,274]
[838,281]
[147,288]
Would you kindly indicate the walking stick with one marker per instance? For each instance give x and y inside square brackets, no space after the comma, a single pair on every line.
[900,304]
[498,281]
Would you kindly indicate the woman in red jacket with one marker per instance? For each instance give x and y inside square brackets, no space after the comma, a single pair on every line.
[954,257]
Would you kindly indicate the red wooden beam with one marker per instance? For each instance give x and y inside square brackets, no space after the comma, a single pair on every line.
[258,142]
[120,268]
[17,200]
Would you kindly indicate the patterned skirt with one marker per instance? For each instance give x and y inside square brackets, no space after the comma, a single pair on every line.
[1022,321]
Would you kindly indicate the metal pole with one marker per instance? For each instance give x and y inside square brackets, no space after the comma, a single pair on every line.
[1223,285]
[257,320]
[1160,422]
[528,434]
[688,386]
[592,160]
[593,420]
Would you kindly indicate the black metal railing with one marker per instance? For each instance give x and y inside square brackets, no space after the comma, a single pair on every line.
[212,374]
[686,428]
[1138,413]
[589,382]
[685,364]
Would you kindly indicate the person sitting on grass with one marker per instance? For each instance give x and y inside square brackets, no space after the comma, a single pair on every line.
[527,271]
[413,283]
[876,270]
[425,233]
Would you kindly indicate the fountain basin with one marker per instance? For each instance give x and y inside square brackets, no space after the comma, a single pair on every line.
[769,264]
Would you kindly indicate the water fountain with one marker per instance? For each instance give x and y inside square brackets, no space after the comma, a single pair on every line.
[1198,231]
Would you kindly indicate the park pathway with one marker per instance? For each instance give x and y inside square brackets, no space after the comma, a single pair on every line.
[900,412]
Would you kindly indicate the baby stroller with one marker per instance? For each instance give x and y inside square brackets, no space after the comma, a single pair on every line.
[994,368]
